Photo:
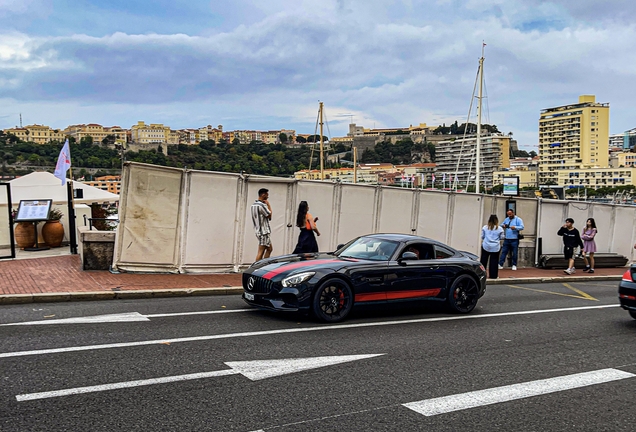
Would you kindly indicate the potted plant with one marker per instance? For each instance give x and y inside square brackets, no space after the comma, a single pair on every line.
[24,232]
[53,230]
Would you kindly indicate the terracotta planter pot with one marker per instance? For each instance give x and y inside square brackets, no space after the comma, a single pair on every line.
[24,235]
[53,233]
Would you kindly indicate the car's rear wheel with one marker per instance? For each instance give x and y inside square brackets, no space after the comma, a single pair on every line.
[463,295]
[332,301]
[633,314]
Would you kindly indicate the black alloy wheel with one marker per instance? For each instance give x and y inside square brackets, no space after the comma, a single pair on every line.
[333,301]
[633,314]
[463,295]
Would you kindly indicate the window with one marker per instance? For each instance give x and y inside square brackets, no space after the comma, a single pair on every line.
[442,252]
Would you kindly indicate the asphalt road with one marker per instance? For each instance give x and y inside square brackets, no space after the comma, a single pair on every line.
[544,357]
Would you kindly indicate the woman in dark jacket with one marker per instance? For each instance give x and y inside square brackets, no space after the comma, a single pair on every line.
[307,224]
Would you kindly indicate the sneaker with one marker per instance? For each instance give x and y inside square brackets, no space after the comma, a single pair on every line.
[591,270]
[569,271]
[587,269]
[500,267]
[514,267]
[572,270]
[566,271]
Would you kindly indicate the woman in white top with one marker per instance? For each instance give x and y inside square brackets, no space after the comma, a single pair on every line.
[491,235]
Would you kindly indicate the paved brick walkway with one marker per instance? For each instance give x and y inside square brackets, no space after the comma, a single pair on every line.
[63,274]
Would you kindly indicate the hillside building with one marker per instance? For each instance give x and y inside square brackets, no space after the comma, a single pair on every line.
[38,134]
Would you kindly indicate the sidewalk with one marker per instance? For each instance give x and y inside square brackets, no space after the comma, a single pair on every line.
[59,278]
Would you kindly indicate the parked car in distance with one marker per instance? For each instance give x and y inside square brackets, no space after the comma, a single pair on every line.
[627,291]
[372,269]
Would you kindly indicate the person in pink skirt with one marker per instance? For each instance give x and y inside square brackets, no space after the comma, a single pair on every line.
[589,245]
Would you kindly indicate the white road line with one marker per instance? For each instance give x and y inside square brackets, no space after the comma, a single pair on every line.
[293,330]
[446,404]
[121,385]
[199,313]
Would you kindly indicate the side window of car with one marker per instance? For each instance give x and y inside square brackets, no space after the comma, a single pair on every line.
[422,250]
[442,252]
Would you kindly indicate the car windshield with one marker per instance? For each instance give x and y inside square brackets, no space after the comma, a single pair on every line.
[370,248]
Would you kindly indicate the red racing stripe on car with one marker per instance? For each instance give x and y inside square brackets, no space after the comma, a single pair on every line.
[370,297]
[397,295]
[292,266]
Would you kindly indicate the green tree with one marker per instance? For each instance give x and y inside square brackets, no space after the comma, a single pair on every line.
[86,141]
[109,140]
[282,137]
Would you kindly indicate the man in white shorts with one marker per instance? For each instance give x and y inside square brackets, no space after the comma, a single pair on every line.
[261,215]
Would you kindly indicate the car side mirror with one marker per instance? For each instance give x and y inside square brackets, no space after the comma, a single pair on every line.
[340,246]
[408,256]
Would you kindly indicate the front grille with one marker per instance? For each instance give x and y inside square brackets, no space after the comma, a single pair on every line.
[259,286]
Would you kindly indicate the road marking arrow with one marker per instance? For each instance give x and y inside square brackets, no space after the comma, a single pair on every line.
[446,404]
[254,370]
[121,317]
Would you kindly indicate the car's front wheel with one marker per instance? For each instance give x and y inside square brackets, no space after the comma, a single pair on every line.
[633,314]
[463,295]
[332,301]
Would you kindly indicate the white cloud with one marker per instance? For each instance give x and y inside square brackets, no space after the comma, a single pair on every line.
[388,63]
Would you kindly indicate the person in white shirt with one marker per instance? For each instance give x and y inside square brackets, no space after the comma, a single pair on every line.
[491,235]
[261,215]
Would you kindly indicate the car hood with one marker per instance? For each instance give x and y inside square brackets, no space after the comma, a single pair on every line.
[278,267]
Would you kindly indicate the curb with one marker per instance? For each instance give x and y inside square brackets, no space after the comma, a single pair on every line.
[116,295]
[507,281]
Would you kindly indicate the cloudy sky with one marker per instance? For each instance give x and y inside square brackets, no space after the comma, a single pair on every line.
[254,64]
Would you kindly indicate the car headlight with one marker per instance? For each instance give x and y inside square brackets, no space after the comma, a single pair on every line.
[296,279]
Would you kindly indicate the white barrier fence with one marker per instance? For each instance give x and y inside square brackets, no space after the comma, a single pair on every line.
[175,220]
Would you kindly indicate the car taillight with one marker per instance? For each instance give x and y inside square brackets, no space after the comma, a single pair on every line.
[627,297]
[481,266]
[627,276]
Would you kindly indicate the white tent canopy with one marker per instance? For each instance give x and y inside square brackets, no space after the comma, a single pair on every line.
[44,185]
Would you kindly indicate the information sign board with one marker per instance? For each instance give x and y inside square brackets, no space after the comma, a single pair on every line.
[33,210]
[511,186]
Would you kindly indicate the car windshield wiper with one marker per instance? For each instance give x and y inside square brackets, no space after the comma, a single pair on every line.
[346,256]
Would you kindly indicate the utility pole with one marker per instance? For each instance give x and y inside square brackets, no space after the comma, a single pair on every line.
[322,162]
[355,164]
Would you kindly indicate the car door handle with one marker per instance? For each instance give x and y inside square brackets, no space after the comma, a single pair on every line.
[433,267]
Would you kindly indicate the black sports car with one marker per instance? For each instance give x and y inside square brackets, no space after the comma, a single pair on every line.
[627,291]
[376,268]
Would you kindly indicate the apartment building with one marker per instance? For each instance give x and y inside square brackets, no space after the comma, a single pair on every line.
[111,184]
[214,134]
[527,177]
[598,177]
[38,134]
[97,132]
[622,159]
[573,137]
[625,140]
[457,157]
[153,133]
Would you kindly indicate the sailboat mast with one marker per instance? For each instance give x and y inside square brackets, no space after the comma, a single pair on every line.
[322,160]
[479,109]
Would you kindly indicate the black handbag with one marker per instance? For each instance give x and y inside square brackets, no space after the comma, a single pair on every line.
[520,236]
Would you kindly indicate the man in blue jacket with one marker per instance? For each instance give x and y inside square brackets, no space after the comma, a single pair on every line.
[511,225]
